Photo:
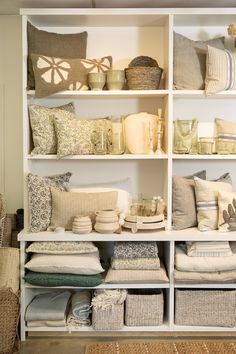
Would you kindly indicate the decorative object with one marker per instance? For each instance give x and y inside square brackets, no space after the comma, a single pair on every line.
[205,146]
[147,207]
[143,78]
[185,136]
[160,132]
[227,211]
[226,136]
[115,79]
[96,81]
[136,223]
[82,225]
[108,221]
[101,140]
[232,32]
[117,138]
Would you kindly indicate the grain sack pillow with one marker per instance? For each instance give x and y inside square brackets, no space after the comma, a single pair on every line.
[184,202]
[72,45]
[226,132]
[220,70]
[42,125]
[66,205]
[62,247]
[227,207]
[189,63]
[40,206]
[53,75]
[207,202]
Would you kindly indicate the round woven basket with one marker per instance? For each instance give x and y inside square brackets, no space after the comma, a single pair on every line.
[143,77]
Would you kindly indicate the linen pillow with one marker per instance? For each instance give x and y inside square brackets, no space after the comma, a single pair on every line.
[53,75]
[207,202]
[40,206]
[71,45]
[74,136]
[184,202]
[226,132]
[67,247]
[42,125]
[85,264]
[66,205]
[224,199]
[136,263]
[189,64]
[220,71]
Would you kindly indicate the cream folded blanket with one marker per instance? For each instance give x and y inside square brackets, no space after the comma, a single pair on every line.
[107,298]
[208,249]
[205,277]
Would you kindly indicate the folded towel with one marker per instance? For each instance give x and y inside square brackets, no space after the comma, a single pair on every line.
[80,304]
[108,298]
[135,249]
[209,249]
[136,263]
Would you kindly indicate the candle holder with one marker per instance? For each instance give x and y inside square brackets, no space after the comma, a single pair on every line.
[160,132]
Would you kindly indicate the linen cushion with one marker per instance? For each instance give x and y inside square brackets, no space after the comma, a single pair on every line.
[226,132]
[86,263]
[189,63]
[136,263]
[74,136]
[184,201]
[66,205]
[42,125]
[207,202]
[205,277]
[224,199]
[72,45]
[62,247]
[53,75]
[40,206]
[221,70]
[208,249]
[60,279]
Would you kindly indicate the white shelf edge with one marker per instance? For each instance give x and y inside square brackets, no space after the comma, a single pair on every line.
[201,94]
[106,286]
[178,328]
[221,285]
[101,157]
[203,157]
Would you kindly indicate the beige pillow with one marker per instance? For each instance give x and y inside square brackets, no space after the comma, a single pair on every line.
[66,205]
[220,70]
[207,202]
[224,200]
[226,134]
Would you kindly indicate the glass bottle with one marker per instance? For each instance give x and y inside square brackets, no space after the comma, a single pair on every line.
[117,136]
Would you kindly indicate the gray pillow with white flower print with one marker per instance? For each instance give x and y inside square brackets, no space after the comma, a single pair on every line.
[40,204]
[53,75]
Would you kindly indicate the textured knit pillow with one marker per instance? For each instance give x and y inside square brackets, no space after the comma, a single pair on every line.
[66,205]
[221,70]
[58,74]
[74,136]
[40,206]
[224,200]
[42,125]
[189,63]
[207,202]
[226,134]
[62,247]
[72,45]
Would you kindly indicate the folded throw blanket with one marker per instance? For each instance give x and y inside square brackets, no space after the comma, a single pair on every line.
[108,298]
[81,304]
[209,249]
[135,249]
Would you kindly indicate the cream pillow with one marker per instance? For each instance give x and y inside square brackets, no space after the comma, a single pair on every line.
[207,202]
[224,200]
[84,264]
[66,205]
[226,133]
[62,247]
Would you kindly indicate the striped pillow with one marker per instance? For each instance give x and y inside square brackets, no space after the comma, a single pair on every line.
[220,70]
[226,134]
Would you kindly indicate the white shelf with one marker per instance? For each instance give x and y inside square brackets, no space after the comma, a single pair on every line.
[106,286]
[201,94]
[205,286]
[202,329]
[101,157]
[107,94]
[203,157]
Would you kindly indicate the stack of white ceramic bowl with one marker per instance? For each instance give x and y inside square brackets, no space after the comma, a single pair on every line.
[82,225]
[107,221]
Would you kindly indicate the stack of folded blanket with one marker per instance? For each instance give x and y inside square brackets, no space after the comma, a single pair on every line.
[80,309]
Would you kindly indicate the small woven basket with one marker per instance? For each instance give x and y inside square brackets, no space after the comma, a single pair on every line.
[143,77]
[110,318]
[9,266]
[205,308]
[144,308]
[9,315]
[6,232]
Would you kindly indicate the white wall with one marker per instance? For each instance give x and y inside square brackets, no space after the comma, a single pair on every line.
[11,161]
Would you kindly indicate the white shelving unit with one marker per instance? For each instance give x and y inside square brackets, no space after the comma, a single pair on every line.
[125,34]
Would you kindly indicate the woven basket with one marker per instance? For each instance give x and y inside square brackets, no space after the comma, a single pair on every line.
[2,217]
[143,77]
[111,318]
[9,315]
[144,308]
[205,308]
[6,232]
[9,268]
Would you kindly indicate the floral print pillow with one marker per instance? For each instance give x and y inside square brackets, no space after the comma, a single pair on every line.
[53,75]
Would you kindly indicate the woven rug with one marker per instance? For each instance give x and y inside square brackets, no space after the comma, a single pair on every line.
[188,347]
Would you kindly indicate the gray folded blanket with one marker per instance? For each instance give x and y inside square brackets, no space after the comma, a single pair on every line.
[80,304]
[135,249]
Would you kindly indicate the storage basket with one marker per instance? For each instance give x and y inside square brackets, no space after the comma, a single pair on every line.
[6,232]
[205,307]
[143,77]
[9,268]
[2,217]
[9,315]
[144,308]
[110,318]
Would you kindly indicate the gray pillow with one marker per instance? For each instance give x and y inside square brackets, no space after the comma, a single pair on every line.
[67,46]
[190,63]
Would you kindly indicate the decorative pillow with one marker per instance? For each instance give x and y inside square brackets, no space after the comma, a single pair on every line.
[71,45]
[66,205]
[58,74]
[207,202]
[189,64]
[87,263]
[227,208]
[42,124]
[135,249]
[40,206]
[221,70]
[124,199]
[226,133]
[67,247]
[184,201]
[58,279]
[136,263]
[74,136]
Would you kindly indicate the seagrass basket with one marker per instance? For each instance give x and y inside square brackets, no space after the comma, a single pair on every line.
[143,77]
[110,318]
[144,308]
[9,268]
[205,307]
